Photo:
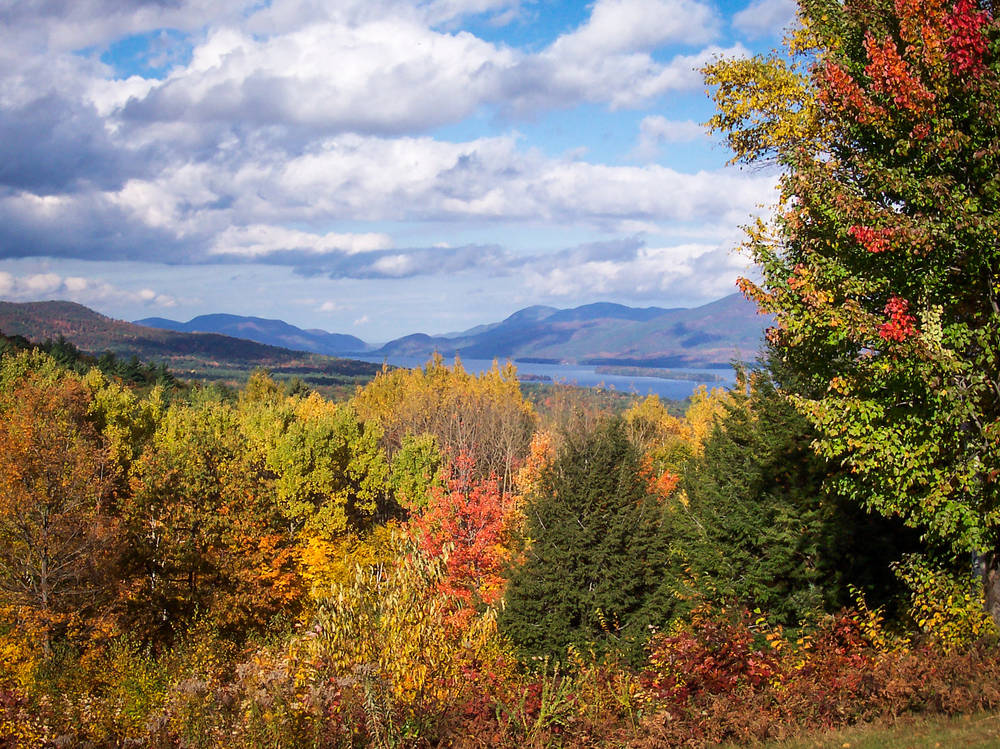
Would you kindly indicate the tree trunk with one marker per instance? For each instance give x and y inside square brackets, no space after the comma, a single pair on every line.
[991,584]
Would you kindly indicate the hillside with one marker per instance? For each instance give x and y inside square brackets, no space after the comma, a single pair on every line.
[208,355]
[262,330]
[605,333]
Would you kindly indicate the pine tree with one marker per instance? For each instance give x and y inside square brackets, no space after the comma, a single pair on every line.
[592,553]
[758,528]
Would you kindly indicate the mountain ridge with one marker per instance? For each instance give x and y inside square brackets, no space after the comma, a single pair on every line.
[599,333]
[712,334]
[264,330]
[201,354]
[606,333]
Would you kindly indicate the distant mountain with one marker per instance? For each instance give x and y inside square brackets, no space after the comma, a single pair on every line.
[190,354]
[271,332]
[605,333]
[600,333]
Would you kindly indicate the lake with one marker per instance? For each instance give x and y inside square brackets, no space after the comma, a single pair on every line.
[585,376]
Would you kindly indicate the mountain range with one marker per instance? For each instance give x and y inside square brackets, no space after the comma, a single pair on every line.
[208,354]
[271,332]
[601,333]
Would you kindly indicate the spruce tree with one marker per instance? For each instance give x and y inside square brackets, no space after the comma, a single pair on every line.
[592,556]
[758,528]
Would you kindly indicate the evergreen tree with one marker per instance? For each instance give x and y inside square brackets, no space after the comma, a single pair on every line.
[592,553]
[758,527]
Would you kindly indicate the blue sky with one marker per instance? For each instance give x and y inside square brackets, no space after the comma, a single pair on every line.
[374,167]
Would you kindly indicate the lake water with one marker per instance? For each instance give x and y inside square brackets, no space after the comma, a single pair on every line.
[586,376]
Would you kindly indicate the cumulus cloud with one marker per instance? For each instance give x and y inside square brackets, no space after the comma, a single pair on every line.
[53,144]
[66,25]
[656,130]
[238,210]
[297,133]
[764,18]
[44,286]
[391,73]
[686,271]
[617,26]
[388,76]
[261,240]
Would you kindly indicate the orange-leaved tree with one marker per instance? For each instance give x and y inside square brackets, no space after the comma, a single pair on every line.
[57,534]
[467,523]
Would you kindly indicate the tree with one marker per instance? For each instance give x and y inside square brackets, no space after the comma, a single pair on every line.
[57,541]
[205,533]
[592,557]
[330,475]
[756,525]
[882,264]
[468,525]
[484,416]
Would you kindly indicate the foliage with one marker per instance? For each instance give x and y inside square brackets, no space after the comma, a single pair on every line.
[946,605]
[204,529]
[666,441]
[483,416]
[324,564]
[415,471]
[330,473]
[391,626]
[234,565]
[757,526]
[728,677]
[881,263]
[591,558]
[67,355]
[57,532]
[468,526]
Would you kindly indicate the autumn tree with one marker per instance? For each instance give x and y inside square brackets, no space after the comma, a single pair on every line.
[57,532]
[467,523]
[483,416]
[205,532]
[329,473]
[882,264]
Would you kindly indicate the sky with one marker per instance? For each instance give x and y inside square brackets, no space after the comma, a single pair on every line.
[372,167]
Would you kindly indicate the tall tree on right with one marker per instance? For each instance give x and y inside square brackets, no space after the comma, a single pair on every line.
[882,264]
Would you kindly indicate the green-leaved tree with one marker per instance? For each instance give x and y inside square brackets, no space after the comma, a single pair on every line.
[882,264]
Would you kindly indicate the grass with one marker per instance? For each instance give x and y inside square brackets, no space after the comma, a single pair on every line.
[980,730]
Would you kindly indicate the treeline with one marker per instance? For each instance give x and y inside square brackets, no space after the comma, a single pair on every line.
[438,560]
[129,370]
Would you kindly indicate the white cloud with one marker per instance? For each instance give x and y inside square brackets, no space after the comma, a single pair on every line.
[656,130]
[390,75]
[66,25]
[41,283]
[688,271]
[260,240]
[623,26]
[491,178]
[45,286]
[242,208]
[765,18]
[382,69]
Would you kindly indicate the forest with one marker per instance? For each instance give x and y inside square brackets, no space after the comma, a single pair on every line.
[440,560]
